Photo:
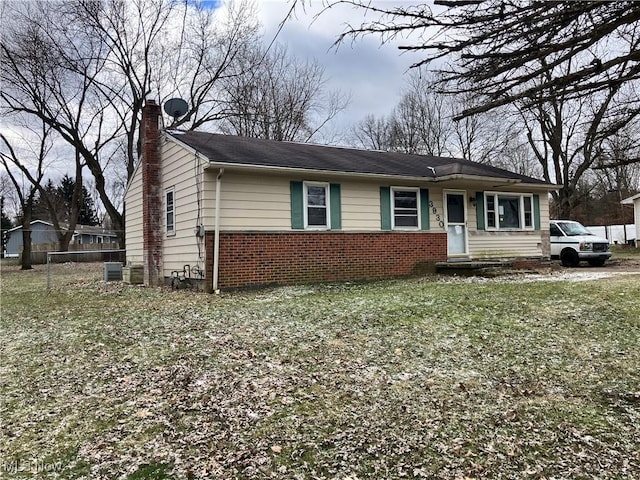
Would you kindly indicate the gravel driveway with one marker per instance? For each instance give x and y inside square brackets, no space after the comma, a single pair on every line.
[613,267]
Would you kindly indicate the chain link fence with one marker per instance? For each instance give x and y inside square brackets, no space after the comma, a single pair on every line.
[90,265]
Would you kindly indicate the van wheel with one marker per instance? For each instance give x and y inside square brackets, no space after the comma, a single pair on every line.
[596,262]
[569,258]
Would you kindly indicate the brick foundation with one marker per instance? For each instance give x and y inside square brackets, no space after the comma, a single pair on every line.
[254,259]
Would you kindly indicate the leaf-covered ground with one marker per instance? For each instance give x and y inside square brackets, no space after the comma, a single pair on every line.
[514,377]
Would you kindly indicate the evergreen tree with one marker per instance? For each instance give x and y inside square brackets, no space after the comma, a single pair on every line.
[87,213]
[65,191]
[61,196]
[40,209]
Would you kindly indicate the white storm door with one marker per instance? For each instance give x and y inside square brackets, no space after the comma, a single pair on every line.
[456,217]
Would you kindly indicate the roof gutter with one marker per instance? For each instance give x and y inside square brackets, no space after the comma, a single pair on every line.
[381,176]
[630,200]
[338,173]
[505,181]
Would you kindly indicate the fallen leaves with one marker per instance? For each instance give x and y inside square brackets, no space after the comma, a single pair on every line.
[414,379]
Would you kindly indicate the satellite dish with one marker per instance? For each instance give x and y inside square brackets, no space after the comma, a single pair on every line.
[176,107]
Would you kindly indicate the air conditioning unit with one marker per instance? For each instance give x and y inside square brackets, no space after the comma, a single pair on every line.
[112,271]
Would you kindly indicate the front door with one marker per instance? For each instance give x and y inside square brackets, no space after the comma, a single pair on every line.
[456,219]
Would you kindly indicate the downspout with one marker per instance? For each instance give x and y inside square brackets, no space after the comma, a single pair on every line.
[216,233]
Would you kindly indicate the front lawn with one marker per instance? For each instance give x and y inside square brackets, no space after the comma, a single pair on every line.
[625,253]
[425,378]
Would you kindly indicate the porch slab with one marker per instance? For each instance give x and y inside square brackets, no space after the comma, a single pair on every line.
[473,267]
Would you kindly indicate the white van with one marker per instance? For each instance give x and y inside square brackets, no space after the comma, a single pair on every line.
[571,243]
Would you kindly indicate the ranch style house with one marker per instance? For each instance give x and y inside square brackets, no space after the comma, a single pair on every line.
[235,212]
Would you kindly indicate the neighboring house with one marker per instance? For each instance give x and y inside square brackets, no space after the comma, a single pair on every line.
[42,233]
[90,234]
[256,212]
[635,201]
[43,237]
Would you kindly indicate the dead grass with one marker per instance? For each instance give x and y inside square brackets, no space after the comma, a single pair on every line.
[626,253]
[431,378]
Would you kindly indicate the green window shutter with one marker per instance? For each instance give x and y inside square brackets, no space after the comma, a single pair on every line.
[536,212]
[297,205]
[335,206]
[424,209]
[385,208]
[480,210]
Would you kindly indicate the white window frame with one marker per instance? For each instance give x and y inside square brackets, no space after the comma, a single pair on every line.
[416,190]
[327,206]
[496,204]
[170,231]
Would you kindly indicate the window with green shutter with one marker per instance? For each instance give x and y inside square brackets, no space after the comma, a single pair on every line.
[315,206]
[404,208]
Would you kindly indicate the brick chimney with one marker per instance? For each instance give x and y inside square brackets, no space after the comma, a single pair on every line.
[152,210]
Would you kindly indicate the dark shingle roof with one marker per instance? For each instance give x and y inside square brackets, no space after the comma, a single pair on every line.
[231,149]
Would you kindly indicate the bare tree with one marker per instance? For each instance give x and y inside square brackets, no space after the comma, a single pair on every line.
[212,51]
[281,98]
[7,191]
[543,57]
[616,175]
[420,123]
[373,133]
[85,68]
[500,50]
[65,231]
[23,160]
[493,138]
[515,153]
[31,163]
[566,135]
[52,75]
[620,151]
